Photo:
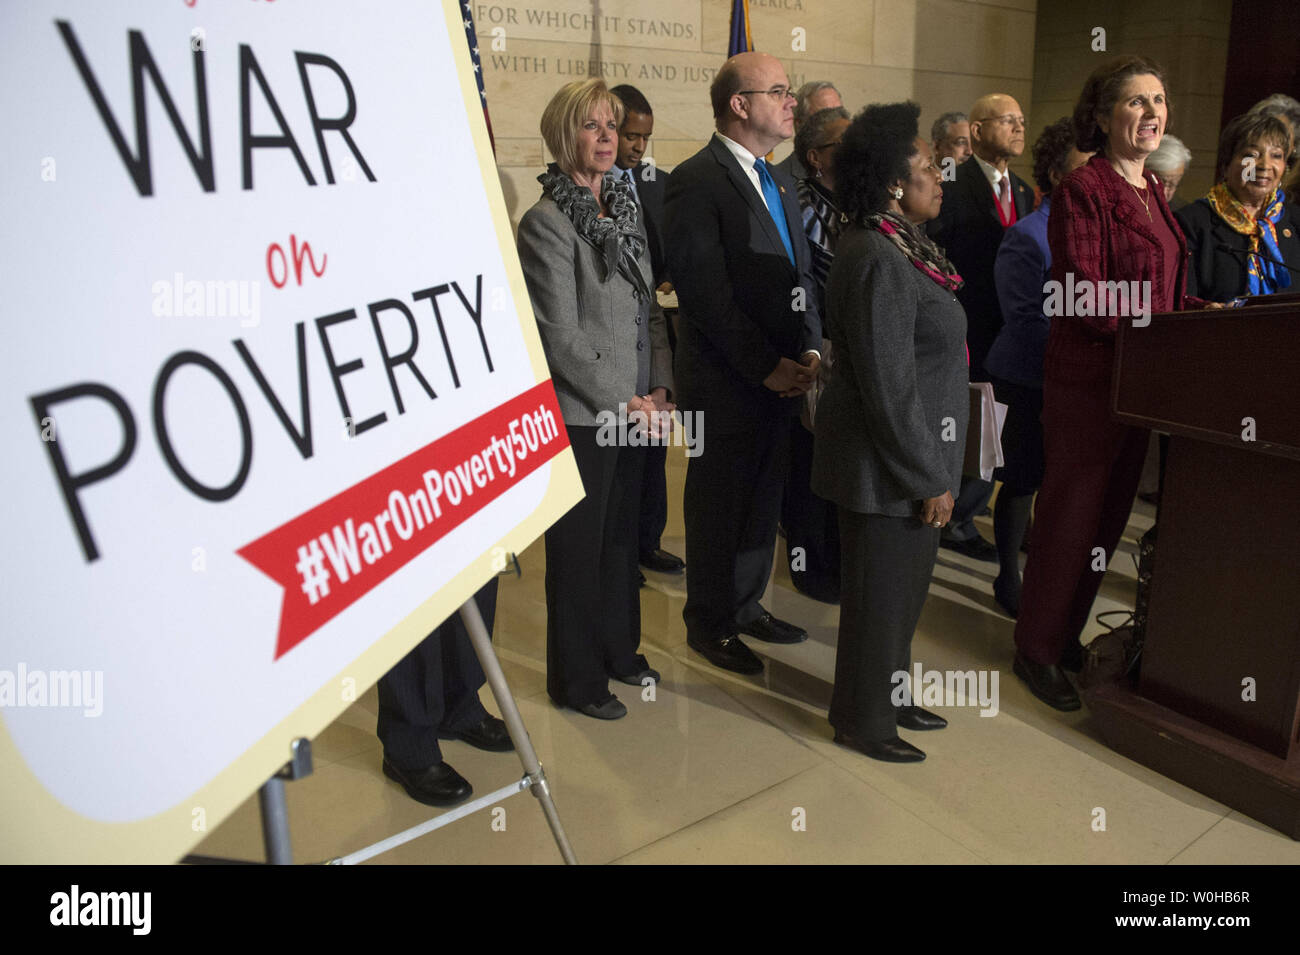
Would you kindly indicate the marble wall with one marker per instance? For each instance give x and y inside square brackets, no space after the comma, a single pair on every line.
[1187,38]
[941,53]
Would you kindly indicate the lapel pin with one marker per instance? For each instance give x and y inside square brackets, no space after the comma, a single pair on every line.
[1287,233]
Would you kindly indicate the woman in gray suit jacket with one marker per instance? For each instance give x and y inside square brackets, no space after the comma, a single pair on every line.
[584,258]
[891,425]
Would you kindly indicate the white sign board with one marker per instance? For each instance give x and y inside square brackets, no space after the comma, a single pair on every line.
[272,393]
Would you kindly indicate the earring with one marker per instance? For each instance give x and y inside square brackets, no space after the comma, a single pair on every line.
[819,173]
[897,193]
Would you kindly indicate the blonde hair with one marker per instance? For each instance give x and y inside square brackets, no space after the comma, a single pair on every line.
[568,109]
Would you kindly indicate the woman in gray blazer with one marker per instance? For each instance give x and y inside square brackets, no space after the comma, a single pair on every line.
[891,425]
[583,251]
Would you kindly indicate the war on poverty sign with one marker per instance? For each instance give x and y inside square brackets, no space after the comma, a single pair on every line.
[273,398]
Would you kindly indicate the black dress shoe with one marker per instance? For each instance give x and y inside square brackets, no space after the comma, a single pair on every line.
[728,653]
[439,785]
[977,547]
[1048,683]
[663,562]
[892,750]
[638,679]
[608,709]
[915,718]
[770,630]
[490,734]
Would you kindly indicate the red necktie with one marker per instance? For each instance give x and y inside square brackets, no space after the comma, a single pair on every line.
[1004,196]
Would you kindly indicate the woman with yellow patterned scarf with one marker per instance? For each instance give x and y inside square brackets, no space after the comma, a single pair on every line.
[1243,234]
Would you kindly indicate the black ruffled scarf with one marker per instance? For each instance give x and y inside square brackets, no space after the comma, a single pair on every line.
[616,236]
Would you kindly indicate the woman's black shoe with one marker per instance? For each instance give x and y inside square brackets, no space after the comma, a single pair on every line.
[892,750]
[609,709]
[915,718]
[1047,682]
[1008,598]
[638,679]
[1072,657]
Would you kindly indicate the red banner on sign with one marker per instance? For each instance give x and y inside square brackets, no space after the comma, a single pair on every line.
[331,556]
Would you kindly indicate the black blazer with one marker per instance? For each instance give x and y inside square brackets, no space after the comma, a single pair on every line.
[743,305]
[891,425]
[651,181]
[969,230]
[1220,276]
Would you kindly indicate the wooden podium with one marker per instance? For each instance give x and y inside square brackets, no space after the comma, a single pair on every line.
[1217,706]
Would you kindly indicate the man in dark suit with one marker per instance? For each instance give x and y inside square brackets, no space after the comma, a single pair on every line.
[648,184]
[432,694]
[812,97]
[985,199]
[748,348]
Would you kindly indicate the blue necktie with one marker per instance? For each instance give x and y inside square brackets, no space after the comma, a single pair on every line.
[772,196]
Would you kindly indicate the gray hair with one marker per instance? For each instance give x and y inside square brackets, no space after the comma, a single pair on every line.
[1280,104]
[813,132]
[1171,156]
[805,93]
[940,128]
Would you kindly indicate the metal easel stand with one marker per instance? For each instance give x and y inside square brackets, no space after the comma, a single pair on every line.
[275,812]
[534,776]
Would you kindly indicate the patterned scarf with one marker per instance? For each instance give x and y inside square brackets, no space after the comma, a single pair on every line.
[820,224]
[1262,276]
[615,236]
[918,247]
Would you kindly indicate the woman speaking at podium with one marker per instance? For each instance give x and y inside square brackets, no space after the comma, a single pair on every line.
[1109,223]
[1243,234]
[583,252]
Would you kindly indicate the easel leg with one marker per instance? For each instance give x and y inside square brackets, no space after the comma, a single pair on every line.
[275,822]
[487,658]
[275,809]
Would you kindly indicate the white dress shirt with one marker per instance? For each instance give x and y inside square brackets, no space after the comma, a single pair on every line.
[630,176]
[995,176]
[746,160]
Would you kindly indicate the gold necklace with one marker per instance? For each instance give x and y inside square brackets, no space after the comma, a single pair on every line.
[1146,202]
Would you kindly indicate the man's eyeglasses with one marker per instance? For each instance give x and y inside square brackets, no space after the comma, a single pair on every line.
[780,92]
[829,145]
[1007,120]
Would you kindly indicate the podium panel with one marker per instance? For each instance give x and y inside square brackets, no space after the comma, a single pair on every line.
[1217,705]
[1223,638]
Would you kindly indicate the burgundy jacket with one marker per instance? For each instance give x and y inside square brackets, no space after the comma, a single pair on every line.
[1094,234]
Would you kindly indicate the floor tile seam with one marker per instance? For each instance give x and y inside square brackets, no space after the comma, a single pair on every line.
[1214,825]
[721,809]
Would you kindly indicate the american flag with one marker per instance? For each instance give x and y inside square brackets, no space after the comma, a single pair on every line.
[472,38]
[741,42]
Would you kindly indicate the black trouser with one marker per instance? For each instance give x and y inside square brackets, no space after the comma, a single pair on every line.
[654,499]
[1021,476]
[809,521]
[593,599]
[886,567]
[433,689]
[731,505]
[654,482]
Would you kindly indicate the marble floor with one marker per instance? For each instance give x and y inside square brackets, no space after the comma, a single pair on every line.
[719,768]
